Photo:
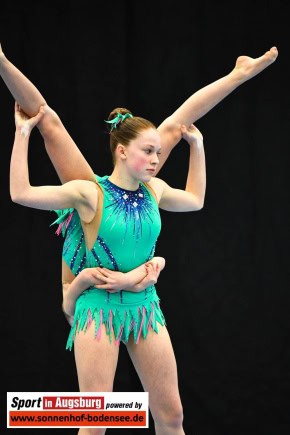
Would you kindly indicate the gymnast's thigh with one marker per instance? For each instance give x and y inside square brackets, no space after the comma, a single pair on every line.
[96,360]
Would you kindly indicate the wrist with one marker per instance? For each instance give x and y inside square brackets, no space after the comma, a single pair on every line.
[23,131]
[197,143]
[83,278]
[70,297]
[128,280]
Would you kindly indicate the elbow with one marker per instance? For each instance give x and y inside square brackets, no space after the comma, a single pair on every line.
[18,197]
[199,206]
[198,202]
[15,197]
[20,192]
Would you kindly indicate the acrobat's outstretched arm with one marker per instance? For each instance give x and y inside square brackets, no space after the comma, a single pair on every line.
[208,97]
[136,280]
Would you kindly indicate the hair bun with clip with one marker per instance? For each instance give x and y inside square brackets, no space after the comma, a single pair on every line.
[118,120]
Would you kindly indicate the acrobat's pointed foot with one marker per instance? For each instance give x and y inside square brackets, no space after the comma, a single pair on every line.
[247,67]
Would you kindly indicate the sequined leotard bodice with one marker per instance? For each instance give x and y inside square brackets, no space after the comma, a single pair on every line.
[127,235]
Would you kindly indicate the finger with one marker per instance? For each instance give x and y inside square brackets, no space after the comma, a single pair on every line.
[149,272]
[100,270]
[147,268]
[17,107]
[101,286]
[37,117]
[100,276]
[150,268]
[107,271]
[109,281]
[41,111]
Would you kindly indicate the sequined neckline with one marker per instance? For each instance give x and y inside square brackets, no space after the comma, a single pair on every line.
[121,189]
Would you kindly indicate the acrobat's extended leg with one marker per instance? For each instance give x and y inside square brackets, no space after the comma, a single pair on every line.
[58,142]
[202,101]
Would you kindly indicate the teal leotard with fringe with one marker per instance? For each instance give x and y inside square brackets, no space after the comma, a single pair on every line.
[128,232]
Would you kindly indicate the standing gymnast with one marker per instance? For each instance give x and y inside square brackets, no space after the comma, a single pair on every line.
[123,239]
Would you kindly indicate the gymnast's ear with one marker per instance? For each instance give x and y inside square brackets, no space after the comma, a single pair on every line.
[120,152]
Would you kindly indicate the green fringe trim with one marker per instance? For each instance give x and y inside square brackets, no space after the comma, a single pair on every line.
[63,215]
[120,323]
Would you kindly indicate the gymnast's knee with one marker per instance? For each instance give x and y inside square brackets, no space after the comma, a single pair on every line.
[49,121]
[171,417]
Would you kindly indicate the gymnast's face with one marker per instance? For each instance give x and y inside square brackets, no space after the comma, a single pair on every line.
[141,155]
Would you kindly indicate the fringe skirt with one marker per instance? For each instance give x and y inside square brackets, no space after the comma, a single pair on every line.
[122,313]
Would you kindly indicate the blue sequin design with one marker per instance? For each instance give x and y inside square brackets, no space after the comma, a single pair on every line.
[82,265]
[108,252]
[97,257]
[76,252]
[129,206]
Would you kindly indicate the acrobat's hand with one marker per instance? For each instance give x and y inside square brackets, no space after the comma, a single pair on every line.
[152,274]
[23,122]
[85,279]
[192,135]
[114,280]
[247,67]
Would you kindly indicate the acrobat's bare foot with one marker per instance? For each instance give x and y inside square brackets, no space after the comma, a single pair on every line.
[247,67]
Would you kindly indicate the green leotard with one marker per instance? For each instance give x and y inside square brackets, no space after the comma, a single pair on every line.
[129,228]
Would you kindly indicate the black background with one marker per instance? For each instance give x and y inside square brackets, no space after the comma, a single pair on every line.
[225,288]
